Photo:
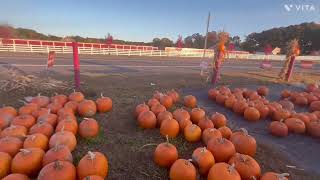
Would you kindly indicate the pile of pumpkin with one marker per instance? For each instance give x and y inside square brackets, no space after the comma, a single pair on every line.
[253,106]
[37,140]
[227,155]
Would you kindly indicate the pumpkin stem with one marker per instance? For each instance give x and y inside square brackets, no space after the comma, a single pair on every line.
[282,176]
[232,168]
[92,156]
[203,149]
[49,111]
[244,131]
[57,165]
[74,90]
[33,137]
[25,151]
[253,177]
[221,140]
[24,102]
[56,147]
[167,139]
[101,95]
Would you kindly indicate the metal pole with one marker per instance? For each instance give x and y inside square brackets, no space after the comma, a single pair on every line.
[206,39]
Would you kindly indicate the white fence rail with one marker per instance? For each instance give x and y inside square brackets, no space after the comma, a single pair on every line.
[129,52]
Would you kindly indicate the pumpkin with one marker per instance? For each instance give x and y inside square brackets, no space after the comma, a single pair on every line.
[313,128]
[5,163]
[251,114]
[230,102]
[246,166]
[205,123]
[24,120]
[68,125]
[254,96]
[169,127]
[141,108]
[223,171]
[42,127]
[181,114]
[147,120]
[14,131]
[210,133]
[197,114]
[93,163]
[239,106]
[295,125]
[278,128]
[221,98]
[87,108]
[5,120]
[65,111]
[36,141]
[311,98]
[88,128]
[273,107]
[62,169]
[315,106]
[183,123]
[41,101]
[16,176]
[225,132]
[247,93]
[285,93]
[165,154]
[224,90]
[163,116]
[212,93]
[286,104]
[218,120]
[71,105]
[9,110]
[10,145]
[182,169]
[263,91]
[303,117]
[28,108]
[27,161]
[301,100]
[312,87]
[63,137]
[76,96]
[244,143]
[192,133]
[58,152]
[93,177]
[203,159]
[166,101]
[221,148]
[311,116]
[156,95]
[40,112]
[263,110]
[174,95]
[104,104]
[151,102]
[158,108]
[190,101]
[49,118]
[280,114]
[274,176]
[317,113]
[59,98]
[54,107]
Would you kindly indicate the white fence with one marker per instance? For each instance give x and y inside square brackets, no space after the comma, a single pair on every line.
[129,52]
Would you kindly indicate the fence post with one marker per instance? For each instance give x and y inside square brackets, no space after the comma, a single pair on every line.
[76,65]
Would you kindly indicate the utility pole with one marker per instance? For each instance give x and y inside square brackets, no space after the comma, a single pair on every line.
[206,39]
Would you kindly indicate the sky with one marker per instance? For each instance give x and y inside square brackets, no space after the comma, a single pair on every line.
[143,20]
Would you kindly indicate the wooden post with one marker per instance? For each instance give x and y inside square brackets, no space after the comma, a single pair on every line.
[76,65]
[290,69]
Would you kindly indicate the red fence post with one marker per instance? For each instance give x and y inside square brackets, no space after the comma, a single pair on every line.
[290,69]
[76,65]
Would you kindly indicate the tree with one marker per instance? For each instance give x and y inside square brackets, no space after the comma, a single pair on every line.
[6,31]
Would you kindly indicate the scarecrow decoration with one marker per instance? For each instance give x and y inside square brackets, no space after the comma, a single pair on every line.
[292,51]
[219,55]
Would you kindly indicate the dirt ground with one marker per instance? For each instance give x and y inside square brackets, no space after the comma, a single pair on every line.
[129,148]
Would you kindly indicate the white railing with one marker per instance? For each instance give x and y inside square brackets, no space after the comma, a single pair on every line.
[129,52]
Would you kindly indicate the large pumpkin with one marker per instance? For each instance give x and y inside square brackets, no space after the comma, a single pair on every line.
[278,128]
[36,141]
[251,114]
[58,152]
[93,163]
[203,159]
[244,143]
[42,127]
[223,171]
[28,108]
[221,148]
[274,176]
[197,114]
[165,154]
[246,166]
[169,127]
[63,170]
[63,137]
[218,120]
[104,104]
[166,101]
[190,101]
[147,120]
[10,145]
[24,120]
[182,169]
[210,133]
[16,176]
[14,131]
[87,108]
[192,133]
[54,107]
[88,128]
[28,161]
[76,96]
[295,125]
[5,163]
[205,123]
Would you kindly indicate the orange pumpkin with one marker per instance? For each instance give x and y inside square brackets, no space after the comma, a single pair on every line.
[183,123]
[251,114]
[68,125]
[49,118]
[152,102]
[87,108]
[141,108]
[41,101]
[9,110]
[93,177]
[71,105]
[263,91]
[280,114]
[246,166]
[239,106]
[313,128]
[221,148]
[63,137]
[27,161]
[28,108]
[274,176]
[62,169]
[286,104]
[254,96]
[311,98]
[218,120]
[295,125]
[303,117]
[10,145]
[203,159]
[14,131]
[181,114]
[317,113]
[301,100]
[278,128]
[65,111]
[190,101]
[315,106]
[24,120]
[43,128]
[93,163]
[312,87]
[223,171]
[221,98]
[205,123]
[40,112]
[212,93]
[76,96]
[263,110]
[210,133]
[285,93]
[59,98]
[158,108]
[54,107]
[182,169]
[5,120]
[311,116]
[197,114]
[57,153]
[230,102]
[163,116]
[156,95]
[244,143]
[5,162]
[36,141]
[225,132]
[104,104]
[224,90]
[16,176]
[147,120]
[166,101]
[169,127]
[192,133]
[174,95]
[165,154]
[89,128]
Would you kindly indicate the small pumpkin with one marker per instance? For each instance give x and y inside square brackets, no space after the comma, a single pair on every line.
[278,128]
[63,137]
[312,87]
[10,145]
[158,108]
[156,95]
[55,107]
[42,127]
[169,127]
[218,120]
[36,141]
[315,106]
[16,176]
[295,125]
[27,161]
[165,154]
[49,118]
[225,132]
[190,101]
[212,93]
[163,116]
[147,120]
[58,152]
[151,102]
[28,108]
[205,123]
[41,101]
[166,101]
[9,110]
[301,100]
[14,131]
[89,128]
[141,108]
[25,120]
[230,102]
[67,125]
[93,163]
[221,148]
[62,169]
[274,176]
[244,143]
[263,91]
[251,114]
[239,106]
[76,96]
[174,95]
[5,120]
[203,159]
[192,133]
[71,105]
[182,169]
[181,114]
[87,108]
[247,167]
[285,93]
[210,133]
[223,171]
[59,98]
[286,104]
[280,114]
[5,162]
[313,128]
[183,123]
[263,110]
[221,98]
[197,114]
[104,104]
